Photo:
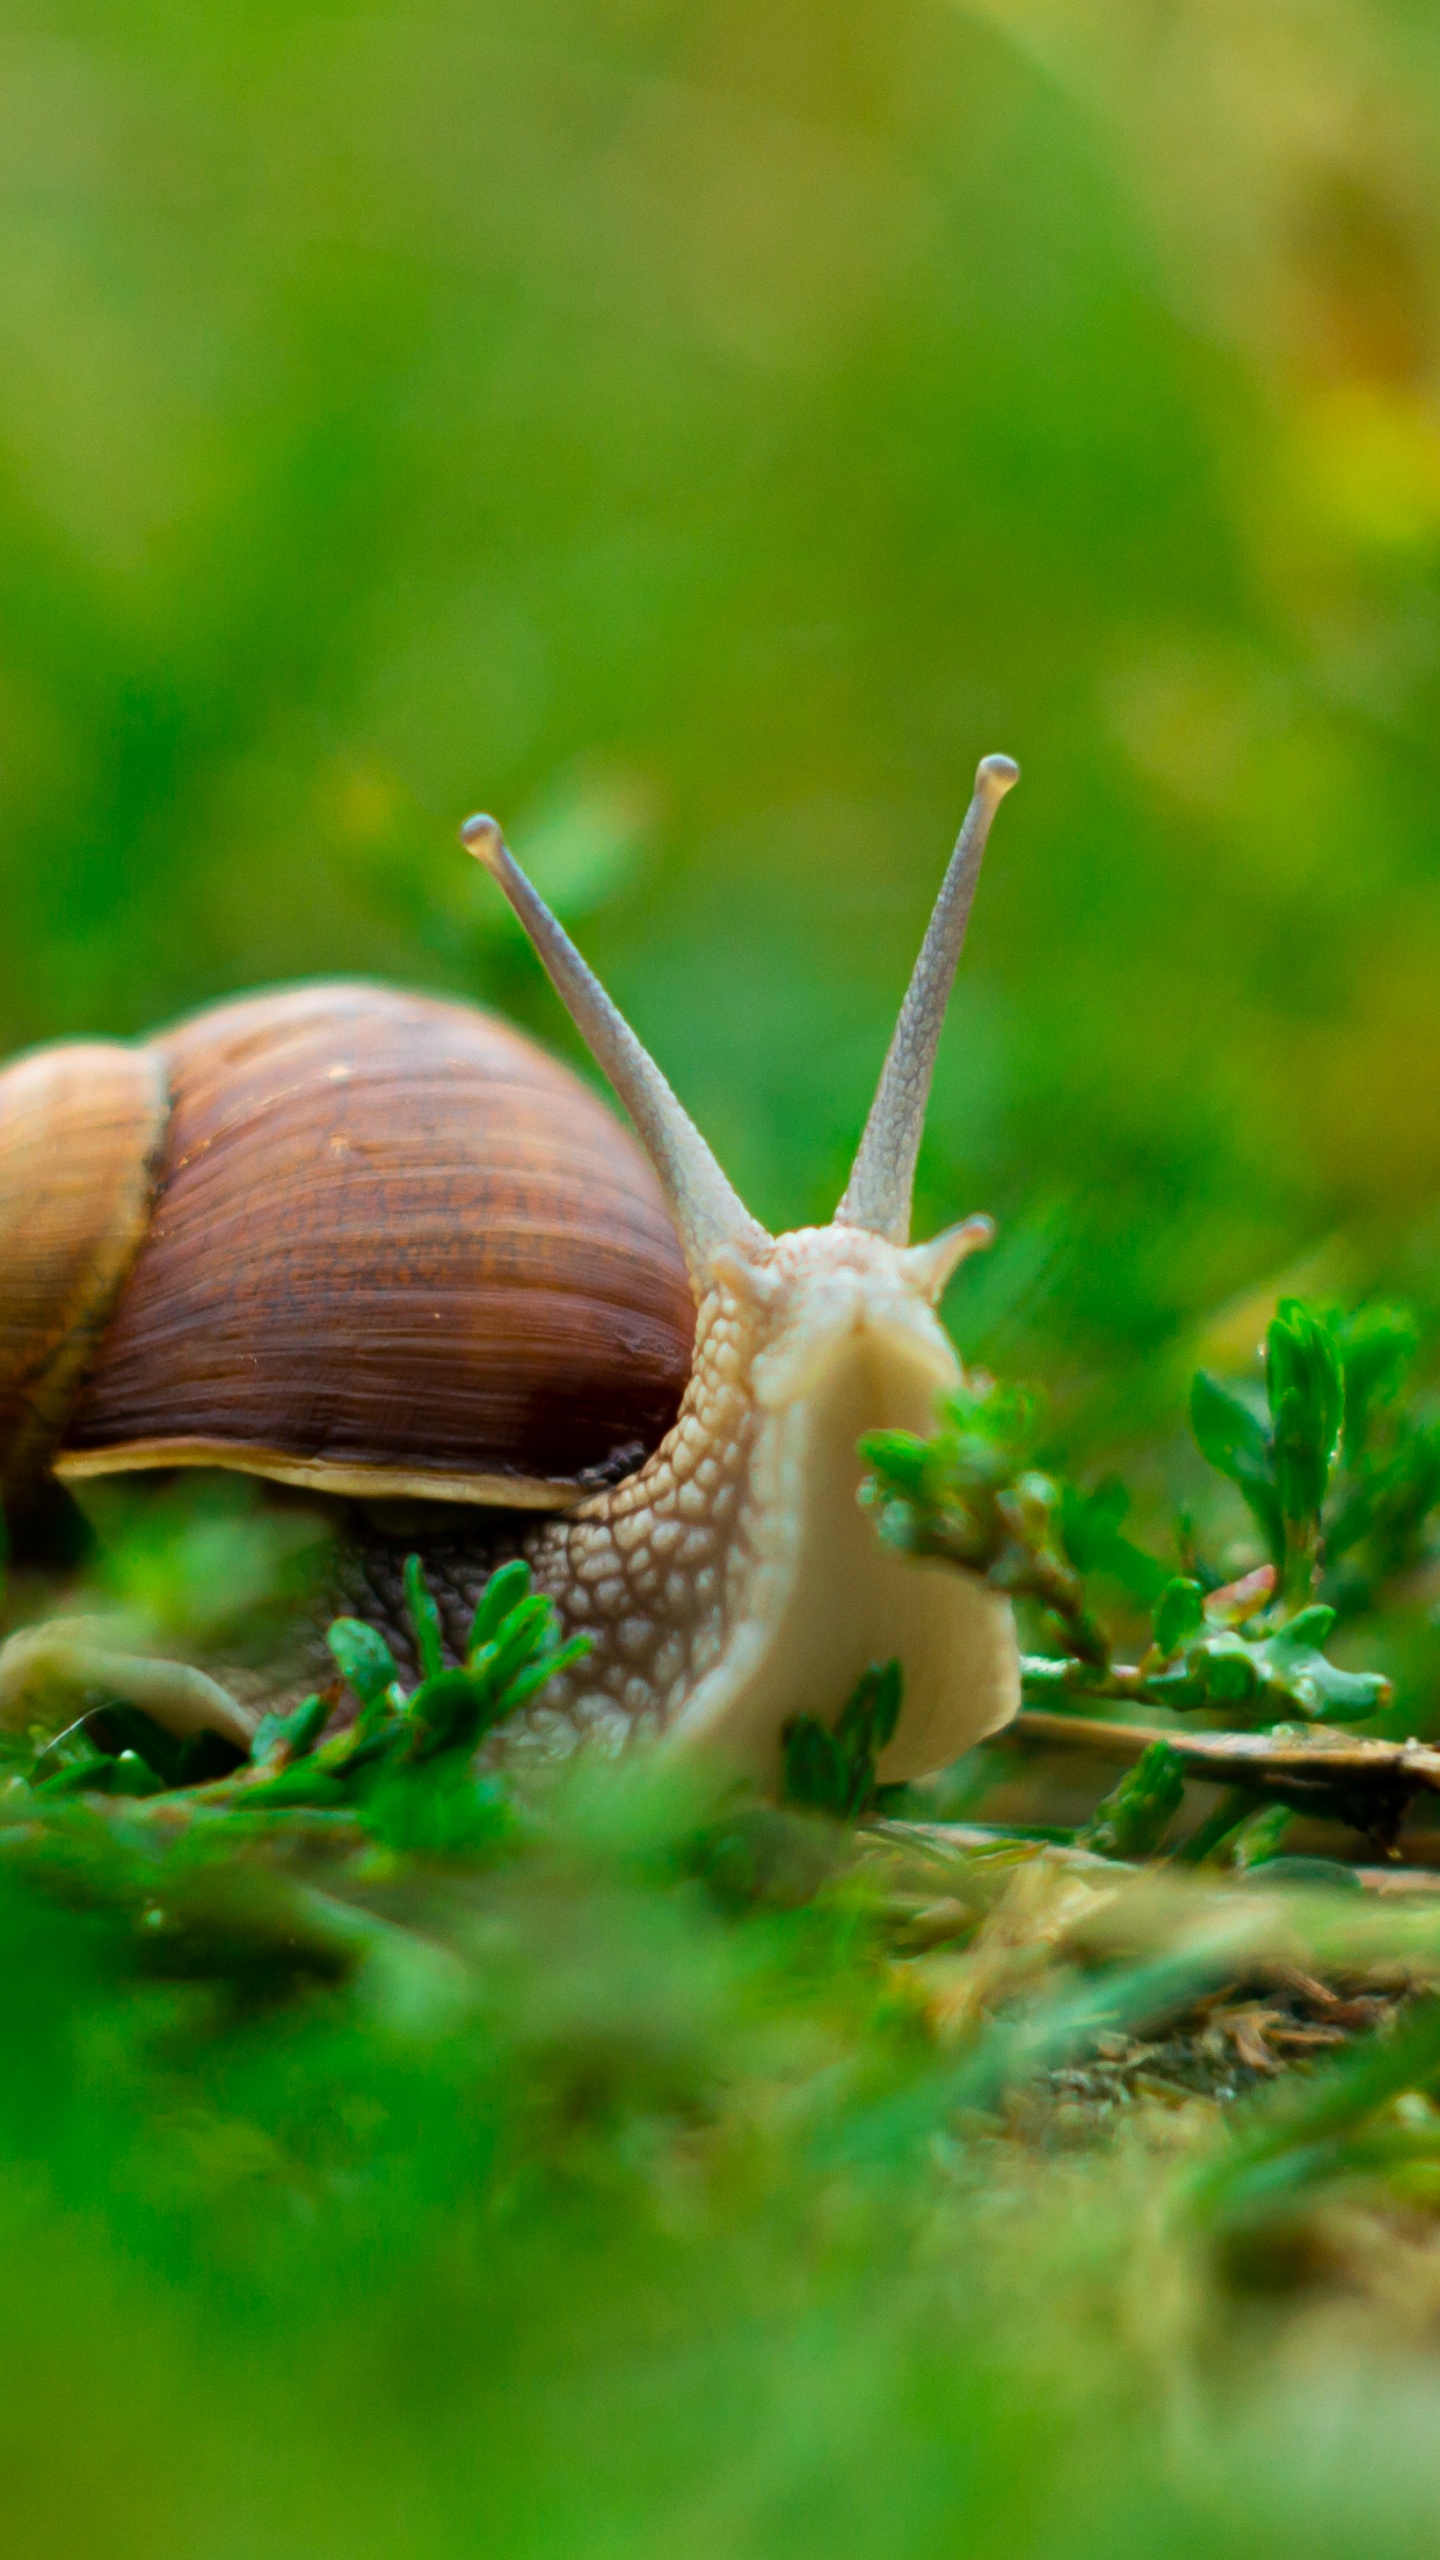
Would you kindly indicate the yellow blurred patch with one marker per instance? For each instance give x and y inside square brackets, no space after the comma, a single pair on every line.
[1232,1340]
[1190,713]
[1367,458]
[359,803]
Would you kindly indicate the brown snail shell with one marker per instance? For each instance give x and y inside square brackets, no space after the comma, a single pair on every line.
[388,1247]
[81,1130]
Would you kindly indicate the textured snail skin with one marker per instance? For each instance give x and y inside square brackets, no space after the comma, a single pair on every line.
[734,1580]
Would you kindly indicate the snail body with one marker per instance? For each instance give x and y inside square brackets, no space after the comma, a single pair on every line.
[382,1247]
[735,1578]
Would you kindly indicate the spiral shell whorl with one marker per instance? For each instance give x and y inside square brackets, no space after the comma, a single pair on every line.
[82,1126]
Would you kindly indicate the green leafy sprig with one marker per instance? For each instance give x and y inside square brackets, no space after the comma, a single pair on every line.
[1341,1472]
[1281,1462]
[405,1763]
[972,1495]
[834,1770]
[1252,1650]
[403,1767]
[1332,1463]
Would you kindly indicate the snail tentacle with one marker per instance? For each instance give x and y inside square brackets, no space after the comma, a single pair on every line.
[931,1267]
[882,1180]
[707,1210]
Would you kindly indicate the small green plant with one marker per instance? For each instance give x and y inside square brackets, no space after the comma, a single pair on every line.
[1341,1473]
[1135,1816]
[833,1770]
[403,1766]
[387,2049]
[972,1495]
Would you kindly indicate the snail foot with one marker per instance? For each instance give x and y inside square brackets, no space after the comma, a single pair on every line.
[80,1659]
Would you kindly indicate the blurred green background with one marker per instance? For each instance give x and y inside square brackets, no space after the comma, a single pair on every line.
[698,432]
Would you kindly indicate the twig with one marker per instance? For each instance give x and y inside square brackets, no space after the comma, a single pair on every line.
[969,1837]
[973,1836]
[1368,1783]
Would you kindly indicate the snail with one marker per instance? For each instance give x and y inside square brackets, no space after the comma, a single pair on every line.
[383,1248]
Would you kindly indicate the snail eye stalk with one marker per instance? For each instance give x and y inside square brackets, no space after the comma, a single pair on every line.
[708,1212]
[882,1181]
